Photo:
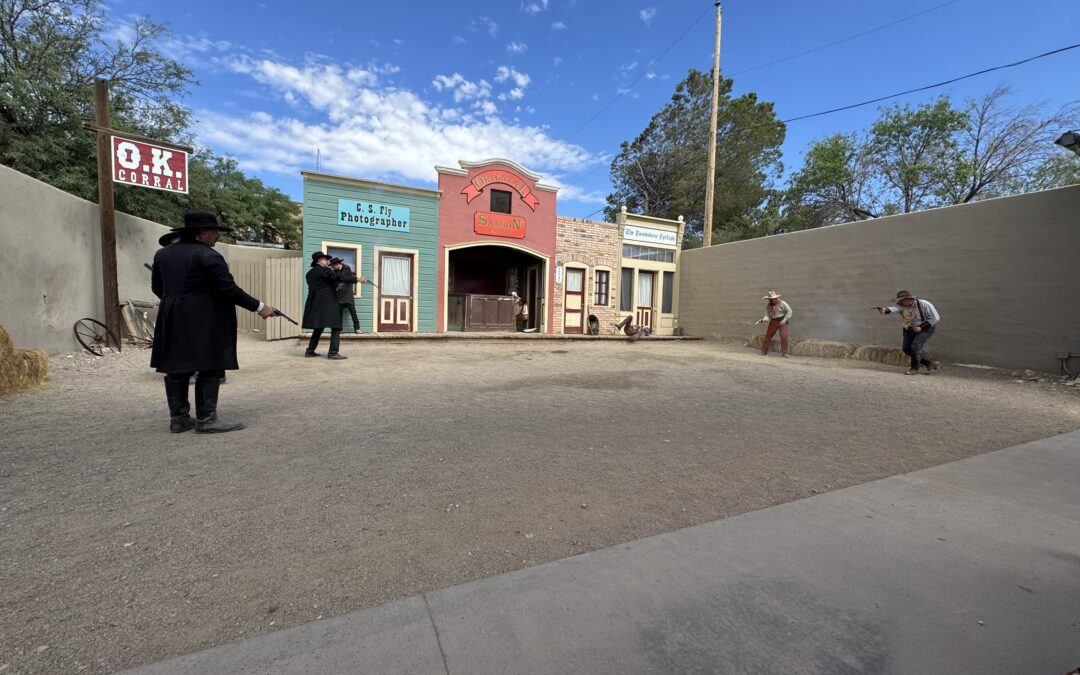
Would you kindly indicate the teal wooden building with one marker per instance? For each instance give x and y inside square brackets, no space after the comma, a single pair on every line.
[385,232]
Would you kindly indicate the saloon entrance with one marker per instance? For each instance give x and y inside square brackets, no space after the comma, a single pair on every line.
[480,280]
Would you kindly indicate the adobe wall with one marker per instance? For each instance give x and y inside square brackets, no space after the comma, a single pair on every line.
[1003,273]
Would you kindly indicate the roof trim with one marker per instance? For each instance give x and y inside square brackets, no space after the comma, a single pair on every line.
[451,170]
[500,160]
[373,184]
[549,188]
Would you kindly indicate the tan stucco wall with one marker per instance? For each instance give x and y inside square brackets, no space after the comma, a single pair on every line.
[50,261]
[1003,273]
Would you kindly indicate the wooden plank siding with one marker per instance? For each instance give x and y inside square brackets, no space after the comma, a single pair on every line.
[285,291]
[321,225]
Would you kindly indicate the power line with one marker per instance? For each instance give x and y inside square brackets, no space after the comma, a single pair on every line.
[932,86]
[845,39]
[644,72]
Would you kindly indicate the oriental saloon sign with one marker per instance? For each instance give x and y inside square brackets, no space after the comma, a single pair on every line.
[508,178]
[372,215]
[499,225]
[147,165]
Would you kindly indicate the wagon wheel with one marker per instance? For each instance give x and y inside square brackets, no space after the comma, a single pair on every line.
[95,337]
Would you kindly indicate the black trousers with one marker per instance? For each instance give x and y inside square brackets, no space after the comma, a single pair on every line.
[335,339]
[914,343]
[186,377]
[349,307]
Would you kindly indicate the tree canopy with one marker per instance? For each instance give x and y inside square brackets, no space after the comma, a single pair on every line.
[51,52]
[931,155]
[663,171]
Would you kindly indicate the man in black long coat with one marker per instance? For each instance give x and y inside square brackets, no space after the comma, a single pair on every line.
[321,311]
[195,332]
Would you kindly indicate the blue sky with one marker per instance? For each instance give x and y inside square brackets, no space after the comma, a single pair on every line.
[387,90]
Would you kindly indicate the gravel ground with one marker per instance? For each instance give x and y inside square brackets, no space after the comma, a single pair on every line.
[418,465]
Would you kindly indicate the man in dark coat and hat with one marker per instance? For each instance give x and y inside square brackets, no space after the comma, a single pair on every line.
[321,311]
[346,293]
[195,332]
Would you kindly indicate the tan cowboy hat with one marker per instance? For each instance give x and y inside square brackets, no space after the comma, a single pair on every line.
[903,295]
[773,295]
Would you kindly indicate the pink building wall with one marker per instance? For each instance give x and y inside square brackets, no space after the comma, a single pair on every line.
[457,217]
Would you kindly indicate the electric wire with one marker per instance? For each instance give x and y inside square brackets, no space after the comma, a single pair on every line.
[845,39]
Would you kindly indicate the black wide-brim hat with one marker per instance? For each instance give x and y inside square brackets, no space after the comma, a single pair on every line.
[199,220]
[168,238]
[318,255]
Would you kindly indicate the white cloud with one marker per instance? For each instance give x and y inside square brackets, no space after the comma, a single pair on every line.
[463,89]
[517,47]
[458,40]
[650,75]
[558,25]
[366,126]
[484,23]
[647,15]
[556,61]
[534,8]
[504,73]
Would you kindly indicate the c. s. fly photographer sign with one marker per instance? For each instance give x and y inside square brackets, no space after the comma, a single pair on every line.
[148,165]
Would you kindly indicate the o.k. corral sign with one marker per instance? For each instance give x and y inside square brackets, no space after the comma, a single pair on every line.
[148,165]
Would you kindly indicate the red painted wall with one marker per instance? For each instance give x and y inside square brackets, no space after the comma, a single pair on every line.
[456,218]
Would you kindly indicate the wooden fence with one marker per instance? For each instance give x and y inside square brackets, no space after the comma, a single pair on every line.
[277,281]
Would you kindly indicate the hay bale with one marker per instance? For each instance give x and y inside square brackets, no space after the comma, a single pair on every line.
[20,368]
[7,347]
[756,341]
[825,349]
[890,356]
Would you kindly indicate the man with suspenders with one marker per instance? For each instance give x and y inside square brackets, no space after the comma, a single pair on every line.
[918,318]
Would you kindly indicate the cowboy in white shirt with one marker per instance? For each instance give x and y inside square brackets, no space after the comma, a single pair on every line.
[777,314]
[918,318]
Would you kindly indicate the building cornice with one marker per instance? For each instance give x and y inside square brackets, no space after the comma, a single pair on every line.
[372,184]
[499,160]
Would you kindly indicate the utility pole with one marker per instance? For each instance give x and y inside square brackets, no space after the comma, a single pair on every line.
[108,211]
[711,187]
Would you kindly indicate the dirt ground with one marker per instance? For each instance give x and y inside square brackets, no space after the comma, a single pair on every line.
[419,465]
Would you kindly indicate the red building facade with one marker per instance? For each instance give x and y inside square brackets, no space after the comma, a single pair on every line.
[497,228]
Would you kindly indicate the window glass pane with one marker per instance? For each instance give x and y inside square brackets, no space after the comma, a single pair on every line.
[347,255]
[669,292]
[626,289]
[395,277]
[644,289]
[648,253]
[601,286]
[500,201]
[574,280]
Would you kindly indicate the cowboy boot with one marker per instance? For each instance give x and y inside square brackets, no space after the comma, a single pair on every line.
[176,394]
[206,395]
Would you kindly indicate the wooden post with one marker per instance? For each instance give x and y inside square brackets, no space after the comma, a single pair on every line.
[108,210]
[711,186]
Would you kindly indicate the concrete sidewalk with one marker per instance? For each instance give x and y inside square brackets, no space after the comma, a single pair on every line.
[970,567]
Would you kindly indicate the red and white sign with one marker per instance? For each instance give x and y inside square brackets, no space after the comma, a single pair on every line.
[508,178]
[499,225]
[149,165]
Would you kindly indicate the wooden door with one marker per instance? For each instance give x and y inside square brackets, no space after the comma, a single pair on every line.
[532,294]
[395,299]
[645,286]
[574,301]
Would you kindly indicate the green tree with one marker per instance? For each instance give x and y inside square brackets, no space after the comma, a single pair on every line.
[1058,170]
[663,172]
[51,52]
[913,150]
[834,186]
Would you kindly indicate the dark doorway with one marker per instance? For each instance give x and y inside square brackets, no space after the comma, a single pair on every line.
[481,279]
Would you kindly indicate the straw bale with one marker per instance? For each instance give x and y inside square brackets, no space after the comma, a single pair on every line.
[890,356]
[20,368]
[7,347]
[756,341]
[825,348]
